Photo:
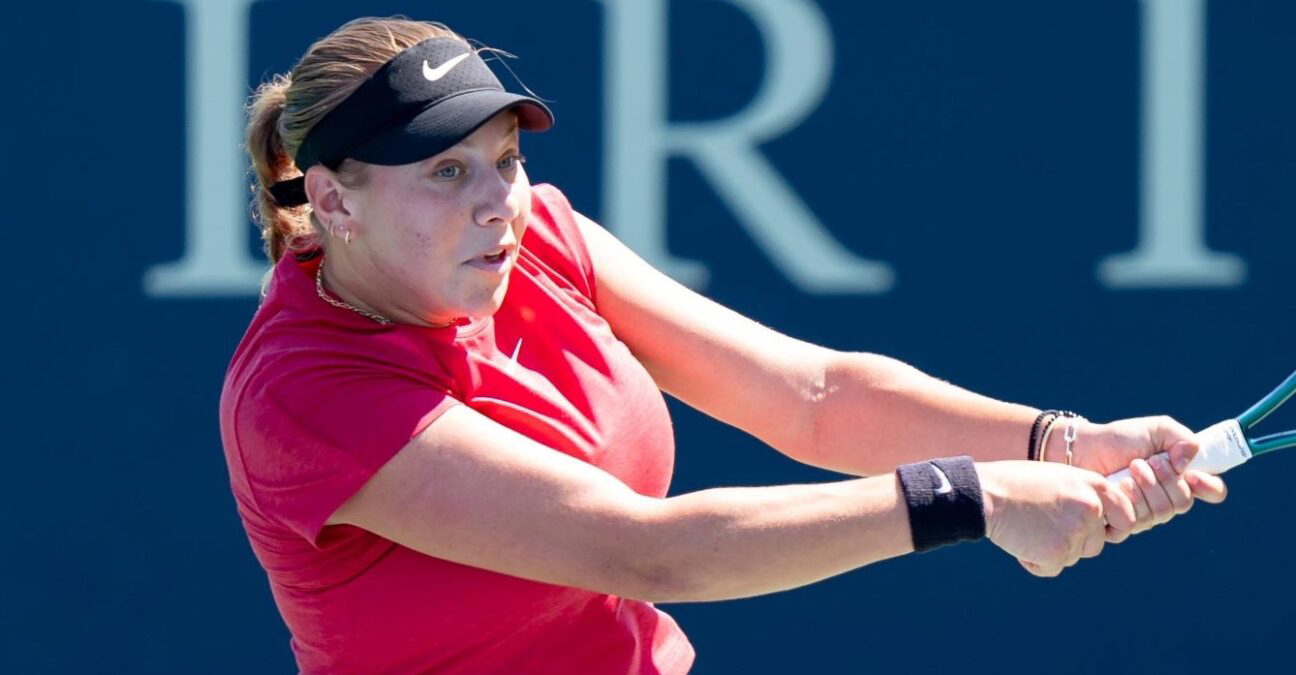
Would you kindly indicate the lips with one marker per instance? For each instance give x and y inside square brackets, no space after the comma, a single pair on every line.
[494,258]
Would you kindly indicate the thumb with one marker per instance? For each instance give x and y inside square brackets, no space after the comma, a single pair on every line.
[1167,431]
[1182,453]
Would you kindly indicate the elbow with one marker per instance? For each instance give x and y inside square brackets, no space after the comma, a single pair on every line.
[810,424]
[841,402]
[822,395]
[658,581]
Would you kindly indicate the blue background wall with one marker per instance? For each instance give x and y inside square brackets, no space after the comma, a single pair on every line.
[989,152]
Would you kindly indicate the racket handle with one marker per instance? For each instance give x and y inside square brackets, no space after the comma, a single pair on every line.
[1223,446]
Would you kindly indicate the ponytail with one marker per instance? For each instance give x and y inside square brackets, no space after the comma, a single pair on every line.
[281,228]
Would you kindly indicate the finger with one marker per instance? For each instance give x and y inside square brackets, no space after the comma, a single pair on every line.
[1076,552]
[1183,453]
[1090,528]
[1142,512]
[1208,488]
[1041,570]
[1118,511]
[1116,536]
[1173,484]
[1093,544]
[1075,548]
[1161,510]
[1088,525]
[1118,508]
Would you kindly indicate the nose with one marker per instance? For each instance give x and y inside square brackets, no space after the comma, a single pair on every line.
[496,202]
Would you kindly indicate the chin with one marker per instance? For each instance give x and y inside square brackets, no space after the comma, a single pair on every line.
[497,298]
[488,303]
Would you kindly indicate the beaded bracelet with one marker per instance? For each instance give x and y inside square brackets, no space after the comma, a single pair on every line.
[1069,436]
[1044,437]
[1047,417]
[1032,447]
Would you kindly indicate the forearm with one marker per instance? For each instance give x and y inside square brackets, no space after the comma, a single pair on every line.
[737,542]
[875,413]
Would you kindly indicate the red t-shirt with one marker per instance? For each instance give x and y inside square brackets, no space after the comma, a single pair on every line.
[318,398]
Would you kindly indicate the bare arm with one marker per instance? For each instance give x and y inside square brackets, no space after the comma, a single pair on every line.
[909,415]
[809,402]
[474,492]
[860,414]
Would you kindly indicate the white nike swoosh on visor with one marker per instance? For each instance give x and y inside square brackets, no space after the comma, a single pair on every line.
[944,487]
[434,74]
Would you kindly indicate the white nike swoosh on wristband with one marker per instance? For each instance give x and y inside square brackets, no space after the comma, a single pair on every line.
[434,74]
[944,487]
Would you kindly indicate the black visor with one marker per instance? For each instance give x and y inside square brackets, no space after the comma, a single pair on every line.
[421,103]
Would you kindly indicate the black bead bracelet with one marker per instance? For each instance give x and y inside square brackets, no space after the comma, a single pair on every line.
[1042,421]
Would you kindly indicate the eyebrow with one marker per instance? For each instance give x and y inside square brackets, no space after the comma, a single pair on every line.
[509,137]
[512,133]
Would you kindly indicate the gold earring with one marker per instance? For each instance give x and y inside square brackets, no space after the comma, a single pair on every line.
[346,236]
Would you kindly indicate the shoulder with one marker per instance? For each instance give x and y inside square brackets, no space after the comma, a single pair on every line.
[549,201]
[307,418]
[554,237]
[297,369]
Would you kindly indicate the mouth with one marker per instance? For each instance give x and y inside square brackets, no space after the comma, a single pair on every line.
[494,259]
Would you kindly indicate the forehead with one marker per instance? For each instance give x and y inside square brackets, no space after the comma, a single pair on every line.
[501,128]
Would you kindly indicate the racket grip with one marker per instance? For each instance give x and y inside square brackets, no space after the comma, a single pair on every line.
[1223,446]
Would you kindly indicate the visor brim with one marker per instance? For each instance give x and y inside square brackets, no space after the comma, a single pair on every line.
[442,126]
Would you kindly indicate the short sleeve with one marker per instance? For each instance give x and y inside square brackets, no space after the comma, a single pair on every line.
[313,432]
[554,237]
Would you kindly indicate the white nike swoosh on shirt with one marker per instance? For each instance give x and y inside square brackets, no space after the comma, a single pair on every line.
[944,487]
[434,74]
[512,363]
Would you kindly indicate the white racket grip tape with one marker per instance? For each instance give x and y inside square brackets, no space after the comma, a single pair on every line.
[1223,446]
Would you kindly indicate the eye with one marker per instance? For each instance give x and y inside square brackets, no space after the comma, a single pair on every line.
[512,162]
[449,172]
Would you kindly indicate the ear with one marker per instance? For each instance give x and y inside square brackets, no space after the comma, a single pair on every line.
[328,197]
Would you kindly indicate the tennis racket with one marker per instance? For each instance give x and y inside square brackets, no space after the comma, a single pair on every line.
[1226,445]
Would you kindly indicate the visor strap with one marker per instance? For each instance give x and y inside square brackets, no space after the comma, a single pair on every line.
[290,193]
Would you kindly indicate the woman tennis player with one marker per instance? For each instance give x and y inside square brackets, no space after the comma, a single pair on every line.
[445,428]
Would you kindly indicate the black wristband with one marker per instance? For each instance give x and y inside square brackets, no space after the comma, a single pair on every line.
[944,500]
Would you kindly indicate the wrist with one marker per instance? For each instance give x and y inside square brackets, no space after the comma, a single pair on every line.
[945,501]
[1044,424]
[990,497]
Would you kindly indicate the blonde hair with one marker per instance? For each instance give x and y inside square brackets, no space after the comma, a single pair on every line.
[285,108]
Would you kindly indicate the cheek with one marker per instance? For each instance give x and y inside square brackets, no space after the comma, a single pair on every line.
[425,232]
[405,248]
[522,190]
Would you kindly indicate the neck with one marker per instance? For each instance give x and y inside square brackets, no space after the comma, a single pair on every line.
[341,278]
